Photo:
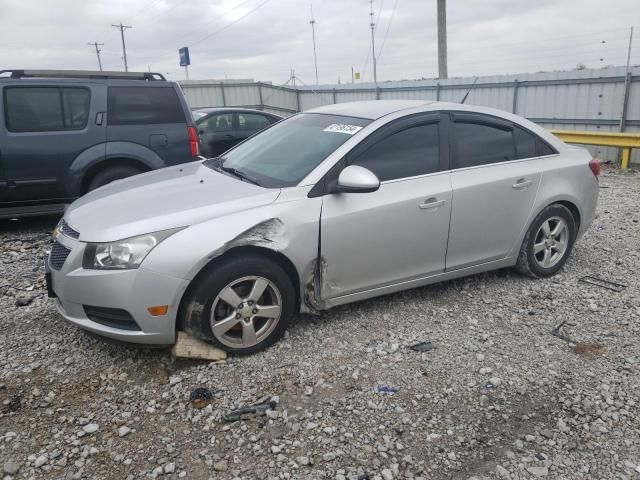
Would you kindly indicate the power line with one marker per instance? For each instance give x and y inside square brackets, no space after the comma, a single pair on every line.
[146,8]
[384,40]
[124,48]
[182,37]
[221,29]
[98,50]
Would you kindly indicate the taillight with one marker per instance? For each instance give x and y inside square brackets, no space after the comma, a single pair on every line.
[194,145]
[594,166]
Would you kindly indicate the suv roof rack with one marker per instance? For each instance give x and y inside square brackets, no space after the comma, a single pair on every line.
[150,76]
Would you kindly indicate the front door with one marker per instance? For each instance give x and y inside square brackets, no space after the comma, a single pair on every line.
[399,232]
[494,188]
[47,127]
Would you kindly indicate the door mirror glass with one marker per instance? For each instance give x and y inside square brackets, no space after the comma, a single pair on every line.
[356,179]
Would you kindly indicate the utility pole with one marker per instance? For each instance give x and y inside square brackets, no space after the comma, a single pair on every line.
[442,39]
[122,28]
[372,24]
[313,33]
[96,44]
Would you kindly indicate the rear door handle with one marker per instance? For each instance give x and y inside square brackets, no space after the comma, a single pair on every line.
[99,117]
[521,184]
[431,203]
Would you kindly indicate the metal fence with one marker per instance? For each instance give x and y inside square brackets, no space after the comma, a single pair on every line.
[606,99]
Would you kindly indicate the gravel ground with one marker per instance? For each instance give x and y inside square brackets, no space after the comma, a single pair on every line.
[497,397]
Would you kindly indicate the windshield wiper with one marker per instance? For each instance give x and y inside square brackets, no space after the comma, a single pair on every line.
[239,174]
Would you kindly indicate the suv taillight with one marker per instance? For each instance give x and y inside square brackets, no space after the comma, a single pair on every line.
[594,166]
[194,145]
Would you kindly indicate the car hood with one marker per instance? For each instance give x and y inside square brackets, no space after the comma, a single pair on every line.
[167,198]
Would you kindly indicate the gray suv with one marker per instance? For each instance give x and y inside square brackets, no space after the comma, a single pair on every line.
[64,133]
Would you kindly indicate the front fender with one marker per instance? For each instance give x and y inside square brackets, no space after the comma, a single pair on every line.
[288,226]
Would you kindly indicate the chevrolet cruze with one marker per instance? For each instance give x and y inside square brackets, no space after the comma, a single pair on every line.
[331,206]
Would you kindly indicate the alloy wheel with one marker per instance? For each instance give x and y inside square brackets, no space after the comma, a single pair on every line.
[245,312]
[551,242]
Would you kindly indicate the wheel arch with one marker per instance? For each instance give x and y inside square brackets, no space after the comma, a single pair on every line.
[96,168]
[278,257]
[570,204]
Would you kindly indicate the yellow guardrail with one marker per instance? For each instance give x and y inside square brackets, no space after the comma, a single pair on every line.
[624,141]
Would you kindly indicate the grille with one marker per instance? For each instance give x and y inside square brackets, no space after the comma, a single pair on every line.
[58,256]
[67,230]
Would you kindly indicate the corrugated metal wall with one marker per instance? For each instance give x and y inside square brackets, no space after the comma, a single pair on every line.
[590,99]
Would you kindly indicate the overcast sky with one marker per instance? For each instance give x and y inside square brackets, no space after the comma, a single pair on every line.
[265,39]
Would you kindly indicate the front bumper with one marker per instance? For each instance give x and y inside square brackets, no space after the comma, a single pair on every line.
[130,290]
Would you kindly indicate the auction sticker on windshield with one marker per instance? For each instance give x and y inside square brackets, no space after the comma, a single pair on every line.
[342,128]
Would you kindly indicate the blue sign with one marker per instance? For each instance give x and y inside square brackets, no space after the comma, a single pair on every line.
[184,56]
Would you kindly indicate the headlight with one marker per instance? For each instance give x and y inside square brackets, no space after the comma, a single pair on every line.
[123,254]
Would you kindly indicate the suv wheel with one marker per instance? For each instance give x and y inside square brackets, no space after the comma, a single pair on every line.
[548,242]
[248,303]
[111,174]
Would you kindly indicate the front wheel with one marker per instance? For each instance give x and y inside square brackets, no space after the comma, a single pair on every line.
[548,242]
[247,303]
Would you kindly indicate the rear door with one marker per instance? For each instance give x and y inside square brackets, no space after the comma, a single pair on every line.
[494,179]
[217,134]
[149,115]
[45,128]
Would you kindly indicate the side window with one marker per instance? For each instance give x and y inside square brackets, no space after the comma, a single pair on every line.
[222,122]
[480,144]
[143,105]
[407,153]
[46,109]
[75,102]
[525,143]
[252,121]
[544,148]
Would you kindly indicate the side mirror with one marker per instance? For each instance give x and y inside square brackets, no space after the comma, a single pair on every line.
[356,179]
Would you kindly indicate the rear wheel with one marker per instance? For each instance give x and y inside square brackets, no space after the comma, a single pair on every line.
[111,174]
[247,303]
[548,242]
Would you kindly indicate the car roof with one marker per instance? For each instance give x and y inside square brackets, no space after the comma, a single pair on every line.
[371,109]
[231,109]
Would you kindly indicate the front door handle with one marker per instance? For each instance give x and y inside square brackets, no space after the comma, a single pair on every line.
[521,184]
[431,203]
[228,136]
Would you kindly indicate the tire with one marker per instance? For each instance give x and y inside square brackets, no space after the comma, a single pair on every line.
[110,174]
[209,302]
[541,255]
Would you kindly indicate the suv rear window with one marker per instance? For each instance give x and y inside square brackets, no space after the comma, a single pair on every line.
[143,105]
[46,109]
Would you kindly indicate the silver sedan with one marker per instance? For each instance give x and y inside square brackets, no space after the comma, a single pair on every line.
[331,206]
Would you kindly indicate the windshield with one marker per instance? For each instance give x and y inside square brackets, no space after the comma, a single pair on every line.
[284,154]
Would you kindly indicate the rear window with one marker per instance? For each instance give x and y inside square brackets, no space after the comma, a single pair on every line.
[46,109]
[144,105]
[252,121]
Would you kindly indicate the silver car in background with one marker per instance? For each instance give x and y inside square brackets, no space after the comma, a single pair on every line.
[335,205]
